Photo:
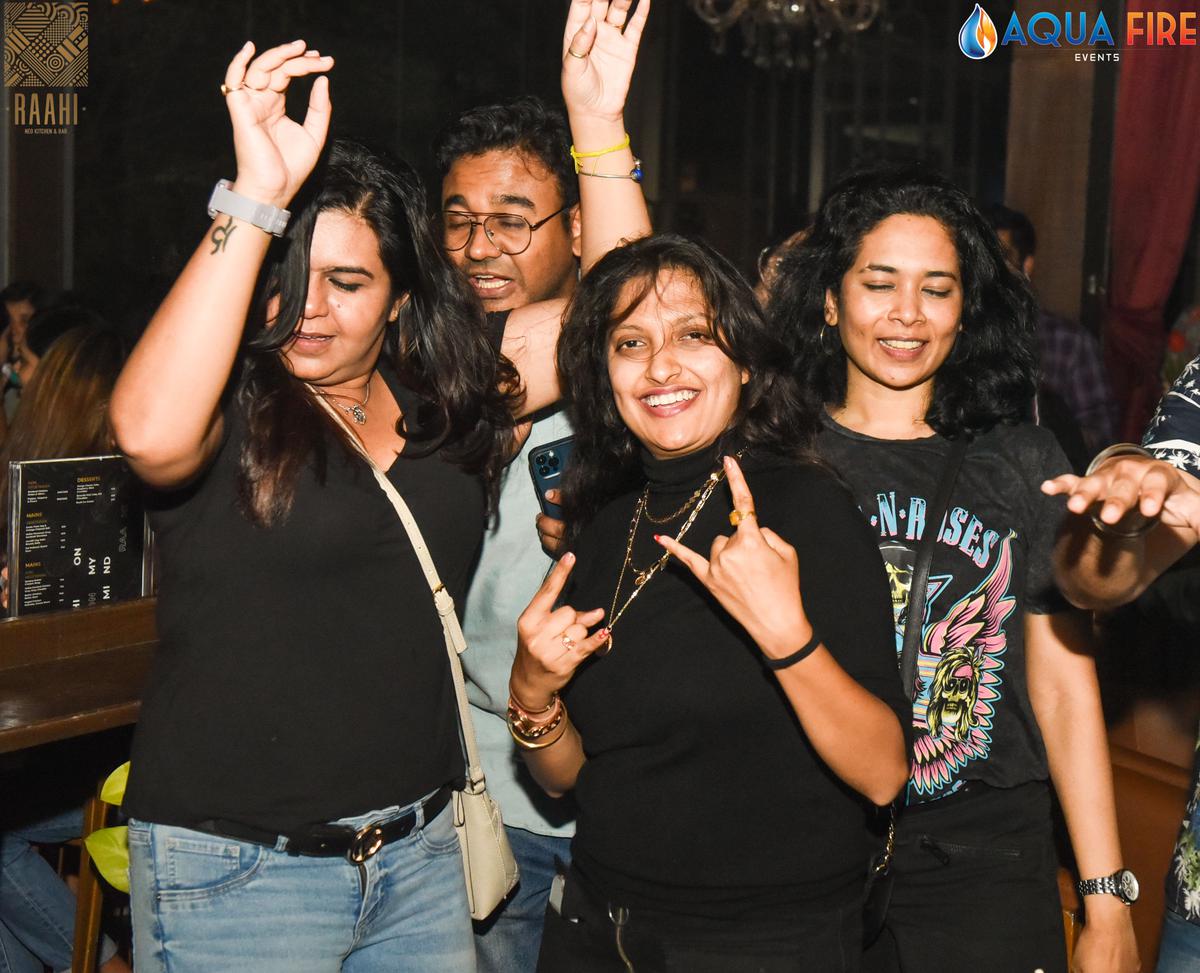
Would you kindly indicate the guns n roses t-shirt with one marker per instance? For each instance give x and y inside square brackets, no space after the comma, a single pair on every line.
[972,719]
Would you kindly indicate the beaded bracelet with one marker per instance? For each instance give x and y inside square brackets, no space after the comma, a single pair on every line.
[799,655]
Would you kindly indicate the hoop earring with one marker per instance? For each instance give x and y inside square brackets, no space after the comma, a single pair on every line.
[825,349]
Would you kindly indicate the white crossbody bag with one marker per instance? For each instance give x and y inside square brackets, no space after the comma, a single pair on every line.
[488,863]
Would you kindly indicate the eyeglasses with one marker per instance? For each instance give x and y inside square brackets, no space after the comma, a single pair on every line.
[507,232]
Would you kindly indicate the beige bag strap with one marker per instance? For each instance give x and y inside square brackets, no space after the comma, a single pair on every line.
[456,642]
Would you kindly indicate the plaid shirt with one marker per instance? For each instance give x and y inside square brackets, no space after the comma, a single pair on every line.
[1071,367]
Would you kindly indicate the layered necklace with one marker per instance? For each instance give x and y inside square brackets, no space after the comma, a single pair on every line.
[695,503]
[357,410]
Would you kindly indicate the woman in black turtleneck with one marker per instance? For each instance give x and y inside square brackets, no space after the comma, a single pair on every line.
[735,709]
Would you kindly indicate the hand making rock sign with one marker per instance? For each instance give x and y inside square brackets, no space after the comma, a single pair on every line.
[754,574]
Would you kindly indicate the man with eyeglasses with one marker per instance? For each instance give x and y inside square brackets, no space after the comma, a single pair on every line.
[510,223]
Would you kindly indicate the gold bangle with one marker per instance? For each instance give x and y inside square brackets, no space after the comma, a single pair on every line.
[542,741]
[527,710]
[525,729]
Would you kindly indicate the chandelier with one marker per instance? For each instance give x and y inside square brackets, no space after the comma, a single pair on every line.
[773,30]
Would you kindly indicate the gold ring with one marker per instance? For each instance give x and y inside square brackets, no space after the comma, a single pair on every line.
[737,516]
[567,641]
[225,89]
[573,54]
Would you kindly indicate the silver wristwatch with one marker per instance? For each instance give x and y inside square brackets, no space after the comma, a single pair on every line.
[263,215]
[1121,883]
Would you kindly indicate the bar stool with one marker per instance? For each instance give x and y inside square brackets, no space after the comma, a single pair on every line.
[89,895]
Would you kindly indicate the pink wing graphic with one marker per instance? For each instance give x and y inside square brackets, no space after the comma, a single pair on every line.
[958,672]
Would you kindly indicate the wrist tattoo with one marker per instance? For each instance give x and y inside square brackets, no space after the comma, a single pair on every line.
[220,236]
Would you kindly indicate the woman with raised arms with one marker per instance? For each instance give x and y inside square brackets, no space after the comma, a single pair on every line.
[298,739]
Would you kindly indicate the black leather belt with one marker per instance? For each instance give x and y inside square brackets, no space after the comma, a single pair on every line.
[334,840]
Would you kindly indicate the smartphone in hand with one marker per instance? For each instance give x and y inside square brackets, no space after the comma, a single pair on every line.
[546,466]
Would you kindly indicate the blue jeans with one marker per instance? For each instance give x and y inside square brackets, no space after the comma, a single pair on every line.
[508,940]
[37,910]
[208,904]
[1179,951]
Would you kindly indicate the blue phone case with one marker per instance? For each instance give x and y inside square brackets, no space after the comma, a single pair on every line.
[546,466]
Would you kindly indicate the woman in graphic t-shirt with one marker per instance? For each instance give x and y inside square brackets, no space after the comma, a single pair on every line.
[915,333]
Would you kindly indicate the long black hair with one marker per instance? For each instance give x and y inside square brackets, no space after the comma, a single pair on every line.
[771,413]
[991,374]
[439,345]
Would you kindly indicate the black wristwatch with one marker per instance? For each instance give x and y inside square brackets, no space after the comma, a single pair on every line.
[1121,883]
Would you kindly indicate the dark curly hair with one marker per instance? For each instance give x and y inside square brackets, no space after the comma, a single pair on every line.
[438,346]
[526,125]
[771,412]
[990,375]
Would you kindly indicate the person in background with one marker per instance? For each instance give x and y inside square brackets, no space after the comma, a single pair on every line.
[1071,364]
[1136,514]
[64,413]
[916,335]
[18,302]
[510,224]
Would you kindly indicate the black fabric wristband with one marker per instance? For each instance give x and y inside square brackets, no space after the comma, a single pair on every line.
[799,655]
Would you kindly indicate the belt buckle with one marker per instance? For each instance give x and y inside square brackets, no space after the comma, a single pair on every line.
[365,843]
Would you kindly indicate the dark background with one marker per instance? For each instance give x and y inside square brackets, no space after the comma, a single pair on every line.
[732,152]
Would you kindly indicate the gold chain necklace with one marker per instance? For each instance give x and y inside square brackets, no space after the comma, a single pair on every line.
[642,578]
[669,517]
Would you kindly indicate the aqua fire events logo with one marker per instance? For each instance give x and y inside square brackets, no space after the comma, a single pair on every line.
[1143,29]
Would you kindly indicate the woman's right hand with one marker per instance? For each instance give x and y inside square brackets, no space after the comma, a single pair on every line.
[274,153]
[552,642]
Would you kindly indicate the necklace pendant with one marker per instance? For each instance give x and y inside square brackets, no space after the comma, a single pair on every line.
[640,579]
[358,414]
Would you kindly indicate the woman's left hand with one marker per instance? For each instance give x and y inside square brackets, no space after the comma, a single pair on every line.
[1107,944]
[600,46]
[754,574]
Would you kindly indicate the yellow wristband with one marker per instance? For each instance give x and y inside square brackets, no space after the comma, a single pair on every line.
[576,155]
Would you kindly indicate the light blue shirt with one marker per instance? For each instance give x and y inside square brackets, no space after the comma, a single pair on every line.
[511,567]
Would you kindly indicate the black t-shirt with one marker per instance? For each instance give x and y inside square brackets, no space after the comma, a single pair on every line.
[972,718]
[701,795]
[302,673]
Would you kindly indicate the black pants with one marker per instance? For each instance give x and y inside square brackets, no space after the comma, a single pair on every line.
[590,935]
[975,887]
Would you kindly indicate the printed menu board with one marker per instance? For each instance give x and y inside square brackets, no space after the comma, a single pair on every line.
[77,534]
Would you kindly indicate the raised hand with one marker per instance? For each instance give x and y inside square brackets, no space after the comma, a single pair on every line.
[552,642]
[274,153]
[600,46]
[754,574]
[1131,490]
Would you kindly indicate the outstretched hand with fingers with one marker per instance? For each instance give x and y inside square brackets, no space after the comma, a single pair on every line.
[1131,490]
[552,642]
[600,46]
[274,153]
[754,574]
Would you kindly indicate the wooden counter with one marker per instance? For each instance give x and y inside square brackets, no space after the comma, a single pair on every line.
[69,673]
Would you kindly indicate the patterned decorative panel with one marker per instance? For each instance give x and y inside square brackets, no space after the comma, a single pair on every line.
[46,45]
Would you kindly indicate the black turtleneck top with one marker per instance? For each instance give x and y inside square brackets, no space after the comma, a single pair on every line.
[701,795]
